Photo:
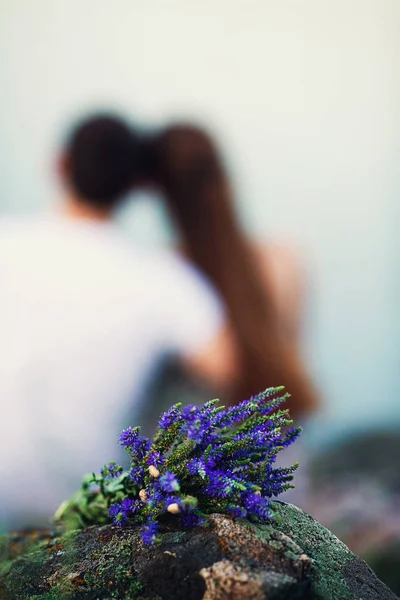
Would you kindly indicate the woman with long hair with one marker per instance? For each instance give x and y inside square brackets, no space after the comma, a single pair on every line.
[261,290]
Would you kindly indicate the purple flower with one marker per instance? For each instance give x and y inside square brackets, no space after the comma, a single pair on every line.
[129,436]
[114,510]
[156,459]
[257,507]
[149,533]
[196,431]
[190,412]
[198,423]
[118,515]
[190,519]
[196,466]
[130,506]
[173,415]
[155,497]
[169,482]
[138,445]
[112,470]
[137,474]
[237,511]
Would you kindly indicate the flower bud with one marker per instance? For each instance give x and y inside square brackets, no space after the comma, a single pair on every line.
[154,472]
[173,508]
[143,495]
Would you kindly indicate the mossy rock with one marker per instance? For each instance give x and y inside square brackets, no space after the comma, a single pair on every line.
[293,557]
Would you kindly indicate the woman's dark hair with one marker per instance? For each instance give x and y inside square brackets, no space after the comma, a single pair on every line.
[200,200]
[105,158]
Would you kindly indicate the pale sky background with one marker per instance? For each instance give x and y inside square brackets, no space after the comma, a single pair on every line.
[304,96]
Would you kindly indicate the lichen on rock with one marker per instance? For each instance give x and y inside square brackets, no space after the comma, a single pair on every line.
[292,557]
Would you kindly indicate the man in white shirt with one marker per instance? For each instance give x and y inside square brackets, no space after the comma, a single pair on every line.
[84,317]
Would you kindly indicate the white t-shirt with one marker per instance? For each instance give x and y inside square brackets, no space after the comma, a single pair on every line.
[84,316]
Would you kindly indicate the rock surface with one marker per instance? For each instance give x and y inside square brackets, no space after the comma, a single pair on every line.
[293,557]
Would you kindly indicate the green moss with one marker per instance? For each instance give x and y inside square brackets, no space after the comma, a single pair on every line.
[56,566]
[268,534]
[275,544]
[54,594]
[173,537]
[329,554]
[5,567]
[110,568]
[263,532]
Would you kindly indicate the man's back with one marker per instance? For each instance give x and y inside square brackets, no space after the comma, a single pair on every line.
[83,318]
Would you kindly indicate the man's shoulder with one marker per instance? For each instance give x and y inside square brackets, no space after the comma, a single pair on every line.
[18,223]
[17,229]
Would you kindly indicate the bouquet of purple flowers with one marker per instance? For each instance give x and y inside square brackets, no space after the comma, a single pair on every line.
[202,460]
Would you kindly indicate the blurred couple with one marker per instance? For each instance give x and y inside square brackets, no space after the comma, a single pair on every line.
[86,317]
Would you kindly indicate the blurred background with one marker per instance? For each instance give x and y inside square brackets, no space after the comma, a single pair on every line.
[303,99]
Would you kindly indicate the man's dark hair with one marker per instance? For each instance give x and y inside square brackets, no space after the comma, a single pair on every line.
[103,160]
